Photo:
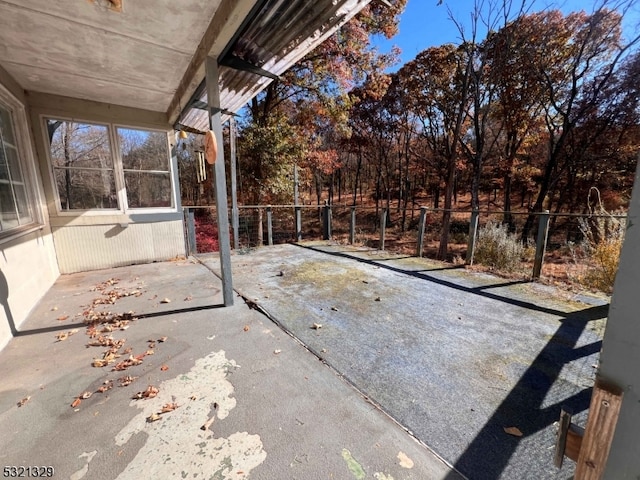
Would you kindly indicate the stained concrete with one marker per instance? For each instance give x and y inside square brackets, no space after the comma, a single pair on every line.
[278,412]
[455,357]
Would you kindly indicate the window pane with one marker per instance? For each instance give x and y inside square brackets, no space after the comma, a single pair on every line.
[24,212]
[79,145]
[6,127]
[85,189]
[143,150]
[4,168]
[8,214]
[146,190]
[14,164]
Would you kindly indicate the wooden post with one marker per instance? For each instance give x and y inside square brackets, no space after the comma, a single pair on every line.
[598,435]
[473,232]
[541,243]
[219,180]
[352,226]
[235,223]
[383,226]
[269,226]
[421,226]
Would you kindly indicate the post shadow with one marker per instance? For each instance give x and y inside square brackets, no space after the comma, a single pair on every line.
[490,451]
[4,299]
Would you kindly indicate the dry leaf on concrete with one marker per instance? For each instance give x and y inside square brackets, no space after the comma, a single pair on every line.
[515,431]
[24,400]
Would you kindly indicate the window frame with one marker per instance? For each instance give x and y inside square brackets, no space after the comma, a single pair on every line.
[116,156]
[26,161]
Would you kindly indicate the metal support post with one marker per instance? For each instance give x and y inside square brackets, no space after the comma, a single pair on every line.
[352,226]
[473,233]
[541,242]
[219,179]
[269,226]
[383,226]
[421,226]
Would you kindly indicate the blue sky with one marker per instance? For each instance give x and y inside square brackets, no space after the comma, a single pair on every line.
[424,23]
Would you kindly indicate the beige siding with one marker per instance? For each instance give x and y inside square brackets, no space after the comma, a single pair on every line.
[28,264]
[92,247]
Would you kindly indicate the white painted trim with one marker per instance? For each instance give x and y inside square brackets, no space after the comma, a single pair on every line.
[27,162]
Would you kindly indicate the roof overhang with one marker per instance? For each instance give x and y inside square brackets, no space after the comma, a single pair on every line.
[150,54]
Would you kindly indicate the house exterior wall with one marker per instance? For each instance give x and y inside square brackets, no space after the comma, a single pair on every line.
[90,240]
[28,264]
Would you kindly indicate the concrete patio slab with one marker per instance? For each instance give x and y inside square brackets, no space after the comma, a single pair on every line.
[272,410]
[455,357]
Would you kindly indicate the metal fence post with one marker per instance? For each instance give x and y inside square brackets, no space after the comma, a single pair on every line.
[421,225]
[473,231]
[352,226]
[326,222]
[269,226]
[541,242]
[383,226]
[189,219]
[298,224]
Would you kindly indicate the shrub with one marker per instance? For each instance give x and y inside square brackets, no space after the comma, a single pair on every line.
[601,250]
[497,248]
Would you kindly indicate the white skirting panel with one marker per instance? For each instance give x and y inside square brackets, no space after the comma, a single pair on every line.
[92,247]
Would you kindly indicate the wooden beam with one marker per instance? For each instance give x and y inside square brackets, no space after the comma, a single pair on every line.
[226,20]
[575,434]
[603,416]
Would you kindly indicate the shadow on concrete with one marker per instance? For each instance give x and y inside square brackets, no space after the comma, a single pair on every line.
[67,326]
[473,290]
[489,452]
[4,299]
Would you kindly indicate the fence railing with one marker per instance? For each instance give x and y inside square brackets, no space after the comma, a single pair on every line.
[415,231]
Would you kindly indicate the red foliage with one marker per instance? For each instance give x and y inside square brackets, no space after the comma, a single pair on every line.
[206,234]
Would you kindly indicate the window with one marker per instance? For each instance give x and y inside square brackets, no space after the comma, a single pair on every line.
[16,209]
[146,168]
[93,173]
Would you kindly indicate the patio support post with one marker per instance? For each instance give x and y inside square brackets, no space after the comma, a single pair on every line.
[421,225]
[473,233]
[235,224]
[383,227]
[352,226]
[541,242]
[269,225]
[219,180]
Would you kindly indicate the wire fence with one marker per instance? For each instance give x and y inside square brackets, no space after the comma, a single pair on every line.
[555,252]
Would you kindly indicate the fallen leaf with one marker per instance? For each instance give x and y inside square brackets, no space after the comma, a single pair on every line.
[193,398]
[246,328]
[149,352]
[24,400]
[128,380]
[316,326]
[162,339]
[515,431]
[188,298]
[169,407]
[62,336]
[277,351]
[165,300]
[404,460]
[76,402]
[152,344]
[85,395]
[62,318]
[334,309]
[377,299]
[153,417]
[164,368]
[53,309]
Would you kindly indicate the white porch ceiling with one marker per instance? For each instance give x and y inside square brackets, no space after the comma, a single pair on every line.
[151,54]
[82,49]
